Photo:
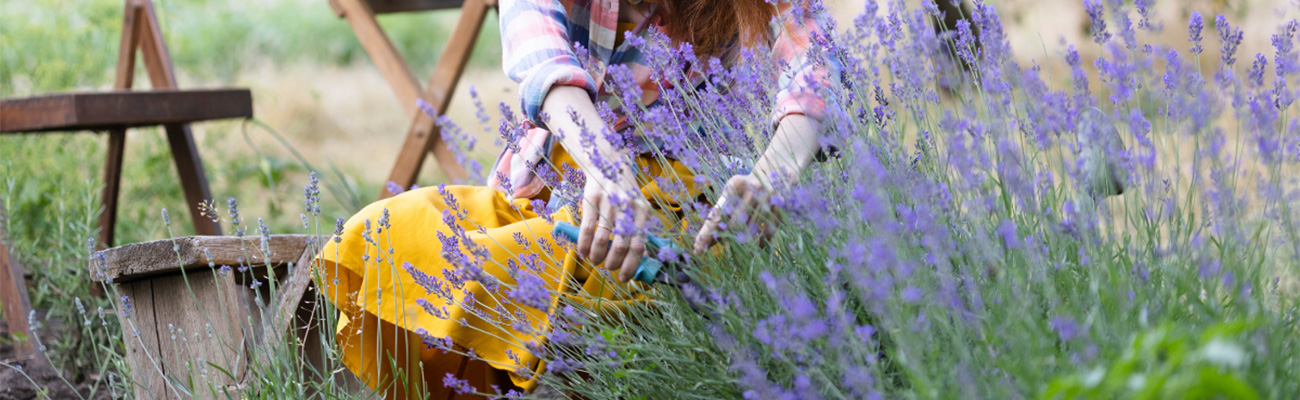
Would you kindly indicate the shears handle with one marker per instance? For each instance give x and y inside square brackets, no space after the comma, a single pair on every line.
[649,269]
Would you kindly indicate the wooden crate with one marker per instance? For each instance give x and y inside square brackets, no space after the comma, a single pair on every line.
[193,314]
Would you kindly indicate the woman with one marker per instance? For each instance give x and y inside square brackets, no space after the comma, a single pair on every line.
[457,268]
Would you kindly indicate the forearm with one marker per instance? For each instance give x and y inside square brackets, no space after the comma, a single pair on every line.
[562,105]
[793,147]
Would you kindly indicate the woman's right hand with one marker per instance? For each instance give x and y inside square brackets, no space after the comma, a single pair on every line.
[612,230]
[614,211]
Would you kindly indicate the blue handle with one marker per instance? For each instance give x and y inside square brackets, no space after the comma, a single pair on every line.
[649,268]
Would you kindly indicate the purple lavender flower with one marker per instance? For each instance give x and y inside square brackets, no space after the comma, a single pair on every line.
[439,312]
[531,291]
[1229,37]
[232,207]
[125,307]
[563,365]
[1194,27]
[394,188]
[311,194]
[460,386]
[1144,13]
[1096,14]
[338,230]
[1065,327]
[1257,69]
[912,294]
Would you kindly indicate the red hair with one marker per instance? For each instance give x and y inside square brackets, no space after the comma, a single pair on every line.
[711,25]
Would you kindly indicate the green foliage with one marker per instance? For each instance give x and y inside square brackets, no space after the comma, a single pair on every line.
[1169,363]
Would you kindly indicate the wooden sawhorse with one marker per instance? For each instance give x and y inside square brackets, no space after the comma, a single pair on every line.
[424,135]
[114,112]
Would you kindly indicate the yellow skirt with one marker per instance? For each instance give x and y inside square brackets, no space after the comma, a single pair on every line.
[370,273]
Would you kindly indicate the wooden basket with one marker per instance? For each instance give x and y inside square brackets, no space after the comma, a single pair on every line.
[197,310]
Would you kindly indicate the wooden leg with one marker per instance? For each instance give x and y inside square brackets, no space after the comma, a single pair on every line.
[158,62]
[112,186]
[132,15]
[193,180]
[424,134]
[13,293]
[381,52]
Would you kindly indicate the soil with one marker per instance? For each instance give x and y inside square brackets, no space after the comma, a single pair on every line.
[18,384]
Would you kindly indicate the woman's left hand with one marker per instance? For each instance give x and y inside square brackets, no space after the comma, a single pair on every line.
[745,203]
[745,200]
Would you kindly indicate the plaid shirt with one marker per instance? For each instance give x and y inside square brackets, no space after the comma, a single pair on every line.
[537,38]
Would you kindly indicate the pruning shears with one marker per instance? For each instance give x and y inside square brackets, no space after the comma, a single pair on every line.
[651,270]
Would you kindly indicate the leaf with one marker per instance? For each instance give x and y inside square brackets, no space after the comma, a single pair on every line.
[1213,383]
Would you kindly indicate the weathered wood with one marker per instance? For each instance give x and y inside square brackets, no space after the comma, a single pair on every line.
[121,109]
[200,333]
[211,319]
[424,134]
[139,330]
[139,260]
[397,6]
[112,186]
[153,49]
[291,294]
[382,52]
[17,305]
[132,13]
[286,312]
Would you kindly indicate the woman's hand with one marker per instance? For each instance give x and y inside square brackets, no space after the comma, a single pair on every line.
[745,202]
[745,198]
[614,211]
[612,230]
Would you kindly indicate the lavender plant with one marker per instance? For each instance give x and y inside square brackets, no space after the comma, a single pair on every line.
[981,232]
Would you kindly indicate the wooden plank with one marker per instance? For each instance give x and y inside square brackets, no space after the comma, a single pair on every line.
[137,260]
[17,305]
[396,6]
[140,332]
[291,294]
[121,109]
[36,113]
[200,333]
[382,53]
[424,134]
[279,322]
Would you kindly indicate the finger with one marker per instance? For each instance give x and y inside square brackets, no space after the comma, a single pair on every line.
[637,247]
[600,244]
[619,246]
[769,230]
[740,216]
[590,217]
[705,239]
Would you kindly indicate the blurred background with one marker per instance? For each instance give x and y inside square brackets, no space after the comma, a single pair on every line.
[314,86]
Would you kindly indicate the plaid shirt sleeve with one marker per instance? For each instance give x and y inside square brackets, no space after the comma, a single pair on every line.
[798,85]
[538,52]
